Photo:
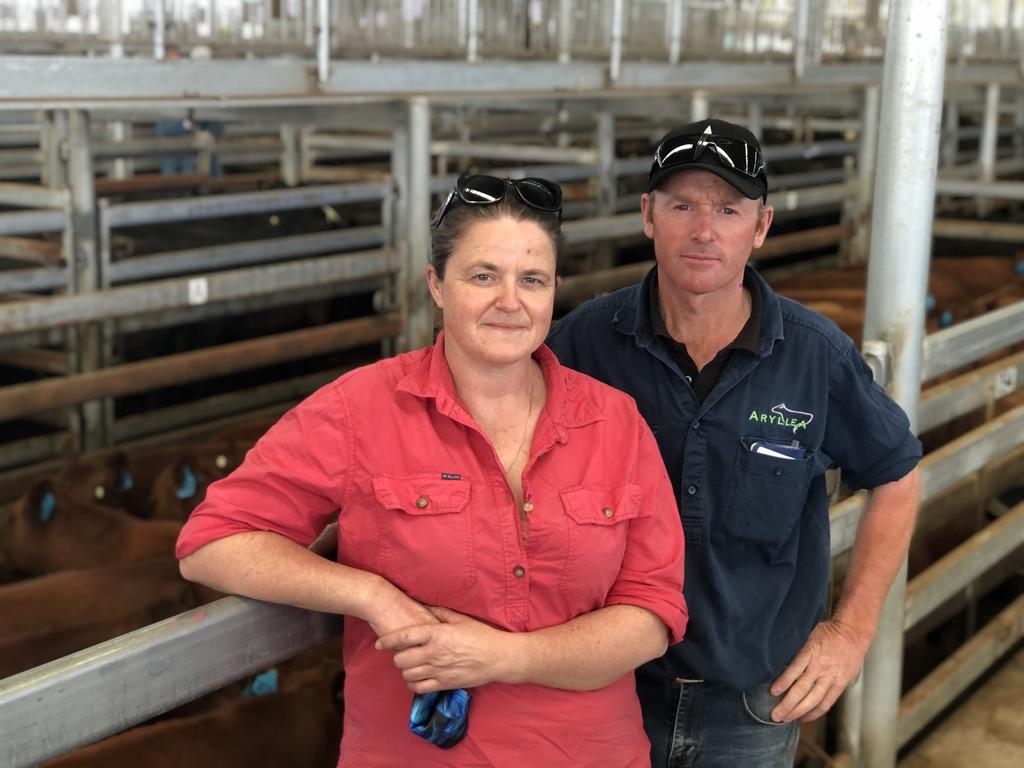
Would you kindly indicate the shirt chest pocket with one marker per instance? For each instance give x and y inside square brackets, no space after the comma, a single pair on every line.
[424,534]
[597,521]
[768,491]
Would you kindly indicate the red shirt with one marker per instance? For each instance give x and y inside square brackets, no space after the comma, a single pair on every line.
[424,502]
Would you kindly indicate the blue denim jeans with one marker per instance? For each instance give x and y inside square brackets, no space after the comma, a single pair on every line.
[700,725]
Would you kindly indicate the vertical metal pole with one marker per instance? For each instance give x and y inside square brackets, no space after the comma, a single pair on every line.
[291,161]
[700,106]
[755,119]
[615,64]
[323,45]
[800,18]
[990,124]
[901,237]
[420,322]
[851,713]
[866,158]
[158,30]
[1007,42]
[308,23]
[951,134]
[461,12]
[676,28]
[472,33]
[815,32]
[1018,124]
[565,31]
[52,136]
[85,266]
[987,145]
[603,256]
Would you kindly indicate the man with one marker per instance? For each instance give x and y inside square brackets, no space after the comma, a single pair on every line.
[752,397]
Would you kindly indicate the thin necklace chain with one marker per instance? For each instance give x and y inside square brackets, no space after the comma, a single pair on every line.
[526,428]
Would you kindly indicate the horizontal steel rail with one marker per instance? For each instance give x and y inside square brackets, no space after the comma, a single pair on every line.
[965,665]
[965,342]
[242,254]
[956,570]
[939,470]
[951,399]
[239,204]
[36,279]
[153,296]
[28,222]
[33,196]
[260,303]
[1004,190]
[288,390]
[124,681]
[19,400]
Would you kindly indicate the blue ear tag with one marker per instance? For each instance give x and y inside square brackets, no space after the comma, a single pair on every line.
[441,717]
[46,506]
[1019,267]
[947,319]
[930,302]
[262,684]
[188,486]
[125,481]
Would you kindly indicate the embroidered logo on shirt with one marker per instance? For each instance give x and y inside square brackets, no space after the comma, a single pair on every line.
[783,416]
[450,476]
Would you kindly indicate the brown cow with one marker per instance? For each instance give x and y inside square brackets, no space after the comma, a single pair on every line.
[51,616]
[299,726]
[53,533]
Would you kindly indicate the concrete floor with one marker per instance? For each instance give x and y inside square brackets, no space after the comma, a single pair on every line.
[986,731]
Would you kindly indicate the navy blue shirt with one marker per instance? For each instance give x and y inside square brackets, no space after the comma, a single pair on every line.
[748,466]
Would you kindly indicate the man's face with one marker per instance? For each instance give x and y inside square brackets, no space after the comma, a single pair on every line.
[703,231]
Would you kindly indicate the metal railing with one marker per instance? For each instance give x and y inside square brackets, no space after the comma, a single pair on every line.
[473,29]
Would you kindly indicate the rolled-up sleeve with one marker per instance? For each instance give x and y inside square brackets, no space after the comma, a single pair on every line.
[290,483]
[868,434]
[651,575]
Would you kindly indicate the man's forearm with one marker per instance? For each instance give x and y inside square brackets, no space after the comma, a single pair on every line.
[879,549]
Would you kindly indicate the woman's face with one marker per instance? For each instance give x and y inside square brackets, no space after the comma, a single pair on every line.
[498,292]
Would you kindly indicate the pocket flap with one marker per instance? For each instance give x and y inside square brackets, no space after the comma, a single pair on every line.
[601,506]
[422,494]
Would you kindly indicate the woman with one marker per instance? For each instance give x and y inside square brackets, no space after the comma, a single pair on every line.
[506,525]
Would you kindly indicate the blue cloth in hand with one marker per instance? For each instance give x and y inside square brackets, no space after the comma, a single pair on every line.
[441,717]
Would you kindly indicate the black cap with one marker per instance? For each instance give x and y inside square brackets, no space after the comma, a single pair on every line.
[737,141]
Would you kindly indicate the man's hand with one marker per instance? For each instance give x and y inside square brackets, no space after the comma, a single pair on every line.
[459,652]
[829,661]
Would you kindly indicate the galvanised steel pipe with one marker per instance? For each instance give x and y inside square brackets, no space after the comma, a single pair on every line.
[908,144]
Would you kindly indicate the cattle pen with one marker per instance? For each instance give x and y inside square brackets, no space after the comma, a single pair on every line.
[208,210]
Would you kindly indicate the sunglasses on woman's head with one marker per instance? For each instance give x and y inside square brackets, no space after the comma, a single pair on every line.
[539,194]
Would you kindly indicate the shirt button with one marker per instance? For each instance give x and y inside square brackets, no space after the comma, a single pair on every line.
[608,512]
[778,471]
[422,502]
[519,571]
[696,425]
[528,506]
[691,489]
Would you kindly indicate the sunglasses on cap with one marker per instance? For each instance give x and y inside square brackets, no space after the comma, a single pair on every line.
[539,194]
[732,153]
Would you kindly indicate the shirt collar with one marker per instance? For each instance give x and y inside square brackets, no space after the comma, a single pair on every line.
[568,404]
[641,318]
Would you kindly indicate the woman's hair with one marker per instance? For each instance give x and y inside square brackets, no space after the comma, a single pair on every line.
[446,236]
